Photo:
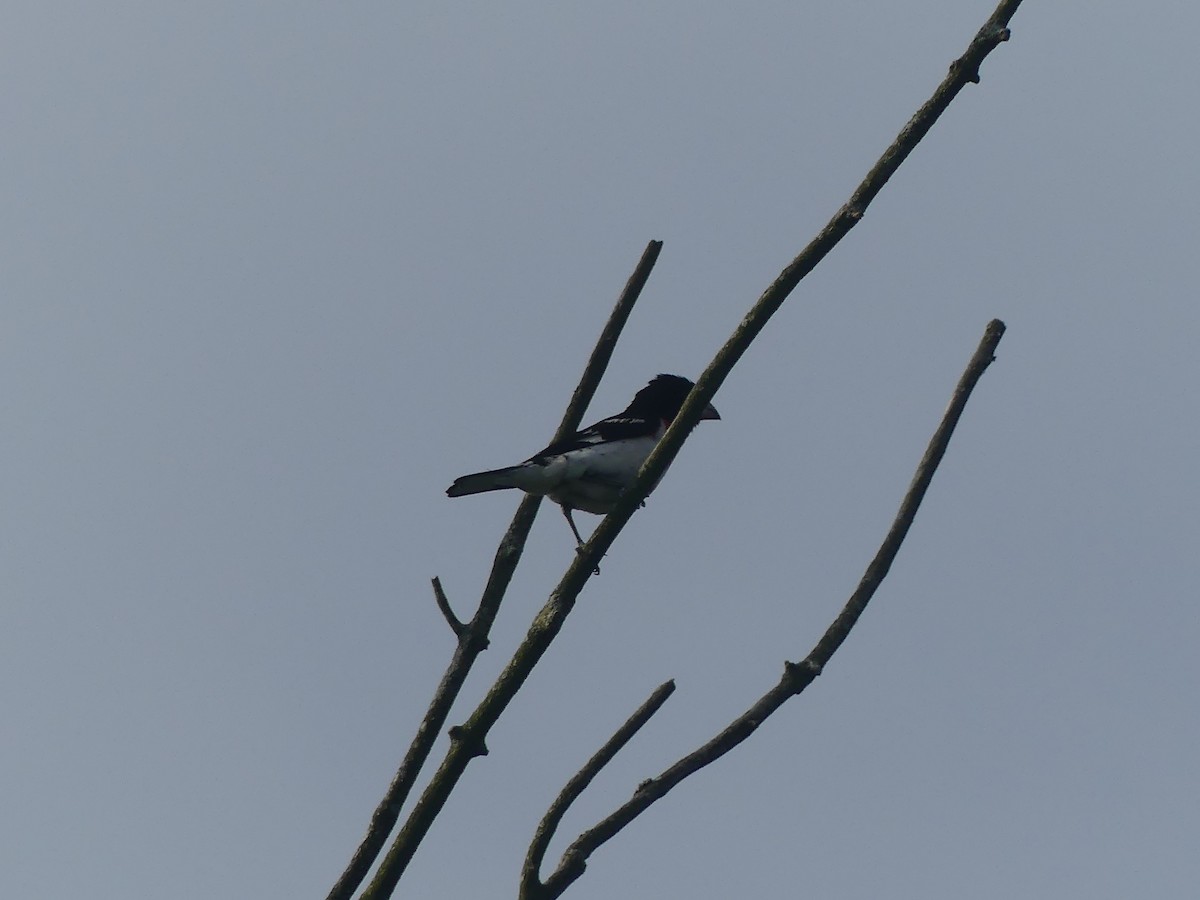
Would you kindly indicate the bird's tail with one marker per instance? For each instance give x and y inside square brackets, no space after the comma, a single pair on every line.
[478,482]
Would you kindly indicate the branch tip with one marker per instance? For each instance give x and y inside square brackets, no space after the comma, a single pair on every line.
[443,605]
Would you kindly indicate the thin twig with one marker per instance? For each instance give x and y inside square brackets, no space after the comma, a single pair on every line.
[530,883]
[474,636]
[607,342]
[443,604]
[796,676]
[550,619]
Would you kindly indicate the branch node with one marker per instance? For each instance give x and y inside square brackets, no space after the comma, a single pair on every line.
[959,64]
[443,605]
[806,667]
[474,746]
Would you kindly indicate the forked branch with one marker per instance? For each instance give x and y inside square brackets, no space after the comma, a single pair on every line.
[473,635]
[796,676]
[550,619]
[530,886]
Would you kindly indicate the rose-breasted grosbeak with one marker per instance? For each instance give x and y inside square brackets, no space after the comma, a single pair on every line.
[590,469]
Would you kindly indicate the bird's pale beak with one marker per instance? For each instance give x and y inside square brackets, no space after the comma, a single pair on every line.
[710,412]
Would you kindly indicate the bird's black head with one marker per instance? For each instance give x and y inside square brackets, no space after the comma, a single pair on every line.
[662,398]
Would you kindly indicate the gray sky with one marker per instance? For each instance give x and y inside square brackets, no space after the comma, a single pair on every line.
[275,274]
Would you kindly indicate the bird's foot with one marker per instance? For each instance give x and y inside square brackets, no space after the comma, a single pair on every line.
[579,550]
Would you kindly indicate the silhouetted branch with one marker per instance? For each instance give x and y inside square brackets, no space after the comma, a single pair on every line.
[530,885]
[473,636]
[796,676]
[963,70]
[443,604]
[598,362]
[550,619]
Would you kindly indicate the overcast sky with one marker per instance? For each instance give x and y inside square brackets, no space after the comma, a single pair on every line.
[275,274]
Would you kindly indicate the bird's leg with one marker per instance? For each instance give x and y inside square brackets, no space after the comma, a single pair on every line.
[575,531]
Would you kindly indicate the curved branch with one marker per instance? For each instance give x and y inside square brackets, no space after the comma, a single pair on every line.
[531,886]
[550,619]
[443,605]
[473,635]
[796,676]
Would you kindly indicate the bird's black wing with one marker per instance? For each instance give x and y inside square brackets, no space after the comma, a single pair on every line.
[615,428]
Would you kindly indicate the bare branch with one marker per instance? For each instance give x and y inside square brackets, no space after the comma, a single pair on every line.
[598,361]
[531,886]
[983,357]
[550,619]
[964,70]
[473,637]
[796,676]
[443,605]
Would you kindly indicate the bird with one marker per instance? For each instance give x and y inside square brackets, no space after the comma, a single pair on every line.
[590,469]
